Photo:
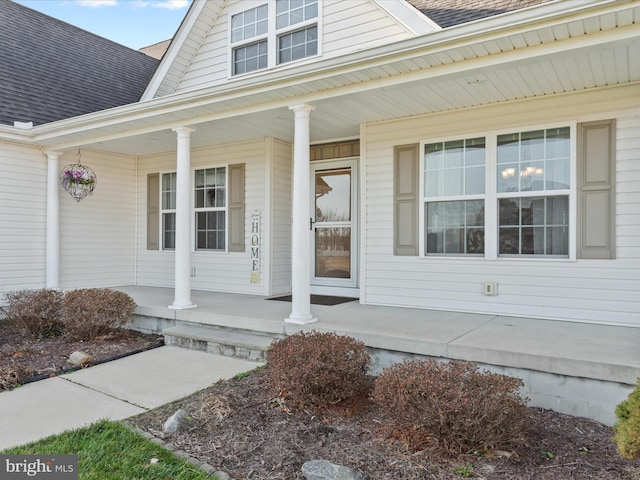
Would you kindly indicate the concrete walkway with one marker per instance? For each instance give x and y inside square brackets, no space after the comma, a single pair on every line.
[115,390]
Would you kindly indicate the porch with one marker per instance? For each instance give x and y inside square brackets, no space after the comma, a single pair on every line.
[577,368]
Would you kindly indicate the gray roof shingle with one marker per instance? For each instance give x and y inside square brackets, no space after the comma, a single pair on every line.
[448,13]
[51,70]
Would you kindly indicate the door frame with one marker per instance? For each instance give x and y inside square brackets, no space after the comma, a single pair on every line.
[337,286]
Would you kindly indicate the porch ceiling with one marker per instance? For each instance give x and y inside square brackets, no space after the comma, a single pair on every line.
[545,59]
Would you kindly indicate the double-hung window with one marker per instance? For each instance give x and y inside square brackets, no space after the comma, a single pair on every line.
[454,186]
[529,197]
[168,210]
[277,32]
[303,41]
[211,208]
[533,192]
[249,30]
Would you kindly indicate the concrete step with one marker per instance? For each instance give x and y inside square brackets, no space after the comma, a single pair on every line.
[221,341]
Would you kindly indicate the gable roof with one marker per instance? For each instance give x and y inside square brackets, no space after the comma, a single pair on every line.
[51,70]
[448,13]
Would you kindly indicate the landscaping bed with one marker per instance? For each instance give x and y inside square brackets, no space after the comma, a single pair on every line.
[34,359]
[239,429]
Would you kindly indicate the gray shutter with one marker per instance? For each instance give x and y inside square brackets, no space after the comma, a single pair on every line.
[596,189]
[405,199]
[236,208]
[153,211]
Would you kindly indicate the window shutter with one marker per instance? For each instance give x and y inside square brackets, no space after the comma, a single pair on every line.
[153,211]
[236,207]
[405,200]
[596,182]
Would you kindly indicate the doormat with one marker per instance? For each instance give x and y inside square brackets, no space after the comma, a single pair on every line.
[327,300]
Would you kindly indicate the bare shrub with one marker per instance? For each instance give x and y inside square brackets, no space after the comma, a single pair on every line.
[451,408]
[35,312]
[317,369]
[94,312]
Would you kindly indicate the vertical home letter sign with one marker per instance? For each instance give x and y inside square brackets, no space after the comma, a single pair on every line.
[255,248]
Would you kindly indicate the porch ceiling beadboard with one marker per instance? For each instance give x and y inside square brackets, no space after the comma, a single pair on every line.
[543,51]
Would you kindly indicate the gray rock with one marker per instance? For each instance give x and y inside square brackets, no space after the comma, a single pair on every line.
[222,475]
[80,358]
[178,422]
[325,470]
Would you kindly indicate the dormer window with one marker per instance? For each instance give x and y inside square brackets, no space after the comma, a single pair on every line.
[276,32]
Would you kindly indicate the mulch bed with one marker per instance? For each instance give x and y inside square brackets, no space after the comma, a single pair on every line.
[239,429]
[38,359]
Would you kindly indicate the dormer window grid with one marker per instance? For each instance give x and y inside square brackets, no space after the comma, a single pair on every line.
[274,33]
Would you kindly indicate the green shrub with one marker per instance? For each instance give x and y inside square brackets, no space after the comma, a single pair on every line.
[451,408]
[35,312]
[317,369]
[627,429]
[94,312]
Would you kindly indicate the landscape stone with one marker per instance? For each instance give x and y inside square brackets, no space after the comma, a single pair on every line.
[325,470]
[178,422]
[80,358]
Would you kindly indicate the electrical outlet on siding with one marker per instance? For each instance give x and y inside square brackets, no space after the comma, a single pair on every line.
[490,289]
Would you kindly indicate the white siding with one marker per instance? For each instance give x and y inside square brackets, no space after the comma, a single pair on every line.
[23,191]
[215,271]
[281,214]
[602,291]
[347,26]
[97,234]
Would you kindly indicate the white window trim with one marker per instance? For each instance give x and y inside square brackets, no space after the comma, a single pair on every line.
[271,36]
[491,197]
[195,210]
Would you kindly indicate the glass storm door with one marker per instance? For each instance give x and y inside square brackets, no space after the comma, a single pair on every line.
[334,236]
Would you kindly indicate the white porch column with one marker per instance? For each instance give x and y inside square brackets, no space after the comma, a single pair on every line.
[52,239]
[183,221]
[301,238]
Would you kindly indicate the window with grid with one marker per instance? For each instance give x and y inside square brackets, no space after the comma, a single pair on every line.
[533,183]
[280,31]
[252,26]
[303,42]
[168,210]
[211,208]
[454,187]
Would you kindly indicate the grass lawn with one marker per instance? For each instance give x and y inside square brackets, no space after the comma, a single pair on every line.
[111,451]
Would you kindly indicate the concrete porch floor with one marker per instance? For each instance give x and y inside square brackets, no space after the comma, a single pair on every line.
[576,368]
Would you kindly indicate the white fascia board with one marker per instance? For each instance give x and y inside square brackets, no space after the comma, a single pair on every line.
[13,134]
[413,20]
[476,32]
[174,49]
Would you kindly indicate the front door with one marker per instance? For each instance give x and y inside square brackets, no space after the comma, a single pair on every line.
[334,227]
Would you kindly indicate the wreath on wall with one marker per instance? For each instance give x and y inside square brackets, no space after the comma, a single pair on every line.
[78,180]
